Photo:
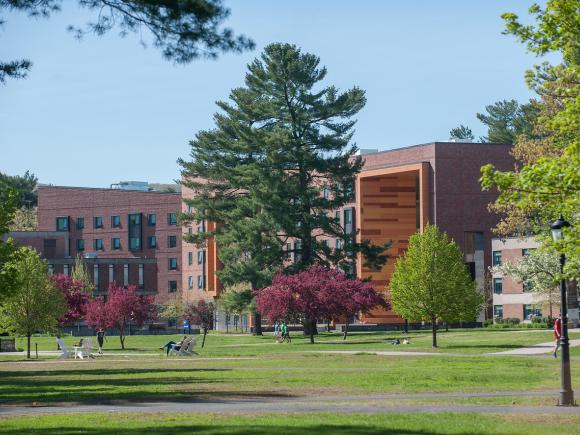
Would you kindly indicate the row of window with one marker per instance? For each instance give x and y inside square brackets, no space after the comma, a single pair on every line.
[200,282]
[200,257]
[63,223]
[529,311]
[496,255]
[134,243]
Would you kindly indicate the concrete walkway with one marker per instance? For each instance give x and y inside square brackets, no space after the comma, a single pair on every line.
[535,349]
[333,404]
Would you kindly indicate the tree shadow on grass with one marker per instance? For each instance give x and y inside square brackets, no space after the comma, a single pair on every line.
[481,346]
[179,429]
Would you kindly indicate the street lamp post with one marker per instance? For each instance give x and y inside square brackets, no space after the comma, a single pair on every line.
[566,393]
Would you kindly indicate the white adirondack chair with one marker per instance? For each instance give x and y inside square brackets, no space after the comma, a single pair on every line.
[86,350]
[186,348]
[66,353]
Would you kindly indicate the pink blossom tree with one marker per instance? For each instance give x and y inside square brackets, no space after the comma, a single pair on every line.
[201,314]
[123,307]
[315,293]
[75,296]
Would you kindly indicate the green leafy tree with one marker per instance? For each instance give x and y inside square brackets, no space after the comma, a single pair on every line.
[25,219]
[237,299]
[461,133]
[547,184]
[35,305]
[506,120]
[173,309]
[7,211]
[81,274]
[539,272]
[274,169]
[23,186]
[182,30]
[431,282]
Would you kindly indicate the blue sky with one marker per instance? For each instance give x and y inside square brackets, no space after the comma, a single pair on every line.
[104,109]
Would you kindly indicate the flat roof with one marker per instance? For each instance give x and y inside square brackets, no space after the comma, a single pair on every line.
[439,143]
[108,189]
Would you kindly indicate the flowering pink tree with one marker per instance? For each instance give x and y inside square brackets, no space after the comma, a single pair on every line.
[75,296]
[122,307]
[201,314]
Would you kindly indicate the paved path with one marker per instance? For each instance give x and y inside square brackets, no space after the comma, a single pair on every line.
[535,349]
[334,404]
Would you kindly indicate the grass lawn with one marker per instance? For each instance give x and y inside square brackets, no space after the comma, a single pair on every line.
[246,367]
[291,424]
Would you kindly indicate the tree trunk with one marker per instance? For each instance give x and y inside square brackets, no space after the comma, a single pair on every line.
[122,337]
[434,331]
[257,324]
[28,345]
[204,334]
[406,326]
[446,326]
[227,323]
[345,328]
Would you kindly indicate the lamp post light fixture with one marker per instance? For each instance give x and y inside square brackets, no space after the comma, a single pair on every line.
[566,393]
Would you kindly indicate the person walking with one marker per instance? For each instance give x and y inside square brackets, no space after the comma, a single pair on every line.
[100,339]
[285,334]
[557,334]
[276,330]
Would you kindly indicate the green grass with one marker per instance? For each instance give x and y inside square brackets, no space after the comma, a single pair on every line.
[290,424]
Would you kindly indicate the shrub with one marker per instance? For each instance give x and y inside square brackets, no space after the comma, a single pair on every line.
[487,323]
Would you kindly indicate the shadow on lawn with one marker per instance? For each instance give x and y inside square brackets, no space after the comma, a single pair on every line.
[482,346]
[231,429]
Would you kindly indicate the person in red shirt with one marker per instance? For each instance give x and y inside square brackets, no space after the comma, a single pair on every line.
[557,334]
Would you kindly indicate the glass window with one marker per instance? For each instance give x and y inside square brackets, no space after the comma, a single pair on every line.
[199,281]
[152,241]
[337,243]
[190,282]
[135,230]
[96,275]
[115,221]
[116,243]
[337,216]
[532,311]
[348,216]
[125,275]
[325,243]
[51,269]
[190,258]
[171,241]
[527,251]
[498,311]
[172,218]
[98,244]
[111,272]
[297,250]
[141,275]
[80,245]
[65,269]
[325,192]
[496,258]
[80,223]
[152,219]
[98,222]
[473,242]
[497,286]
[173,263]
[172,286]
[62,223]
[200,255]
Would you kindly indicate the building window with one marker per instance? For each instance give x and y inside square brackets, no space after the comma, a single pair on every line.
[498,311]
[527,251]
[51,269]
[498,286]
[325,192]
[532,311]
[98,222]
[338,244]
[297,250]
[171,241]
[152,219]
[62,223]
[125,275]
[337,216]
[190,258]
[98,244]
[190,282]
[141,275]
[116,243]
[80,245]
[173,263]
[65,269]
[96,275]
[200,255]
[152,241]
[348,216]
[496,261]
[49,244]
[115,221]
[172,286]
[189,230]
[80,223]
[135,232]
[172,218]
[473,242]
[111,272]
[325,243]
[200,281]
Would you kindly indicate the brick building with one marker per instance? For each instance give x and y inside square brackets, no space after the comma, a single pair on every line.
[127,236]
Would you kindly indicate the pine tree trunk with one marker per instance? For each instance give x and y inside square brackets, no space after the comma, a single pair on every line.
[204,334]
[28,345]
[434,331]
[257,324]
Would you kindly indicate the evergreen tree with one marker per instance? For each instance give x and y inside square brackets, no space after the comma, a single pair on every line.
[431,282]
[24,188]
[506,120]
[461,133]
[275,167]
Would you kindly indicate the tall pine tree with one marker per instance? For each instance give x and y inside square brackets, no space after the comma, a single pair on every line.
[274,169]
